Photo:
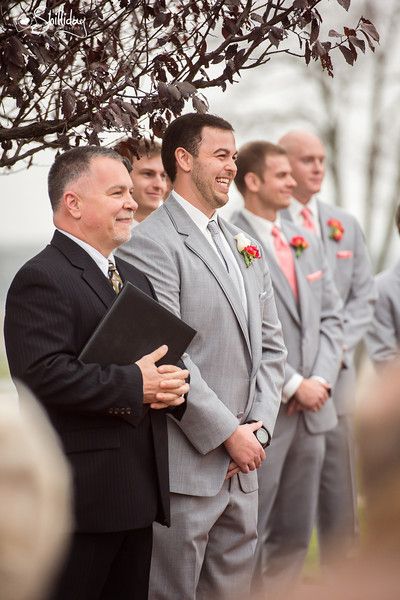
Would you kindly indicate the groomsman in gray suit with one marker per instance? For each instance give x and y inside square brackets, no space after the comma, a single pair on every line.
[347,257]
[383,336]
[203,273]
[309,309]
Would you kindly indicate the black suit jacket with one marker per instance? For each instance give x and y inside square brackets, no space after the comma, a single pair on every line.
[120,469]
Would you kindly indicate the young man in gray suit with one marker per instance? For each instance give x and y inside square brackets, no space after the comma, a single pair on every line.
[347,257]
[383,336]
[309,309]
[223,290]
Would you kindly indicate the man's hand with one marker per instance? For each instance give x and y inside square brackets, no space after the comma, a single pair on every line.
[311,394]
[163,386]
[244,448]
[293,406]
[232,470]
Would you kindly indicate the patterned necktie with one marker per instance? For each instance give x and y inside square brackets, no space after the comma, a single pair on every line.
[114,277]
[308,221]
[285,259]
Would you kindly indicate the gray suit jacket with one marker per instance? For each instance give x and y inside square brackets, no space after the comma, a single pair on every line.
[312,329]
[236,367]
[383,336]
[349,262]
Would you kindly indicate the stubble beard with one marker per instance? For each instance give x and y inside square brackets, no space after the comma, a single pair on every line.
[205,189]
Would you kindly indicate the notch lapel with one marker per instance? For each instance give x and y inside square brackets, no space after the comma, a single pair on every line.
[197,243]
[91,273]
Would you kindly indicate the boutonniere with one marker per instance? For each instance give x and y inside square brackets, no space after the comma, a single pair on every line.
[248,250]
[336,229]
[299,244]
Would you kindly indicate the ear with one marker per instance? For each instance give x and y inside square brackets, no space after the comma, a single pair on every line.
[72,204]
[252,182]
[184,159]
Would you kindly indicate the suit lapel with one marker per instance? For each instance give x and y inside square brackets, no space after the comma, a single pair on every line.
[197,243]
[91,273]
[329,247]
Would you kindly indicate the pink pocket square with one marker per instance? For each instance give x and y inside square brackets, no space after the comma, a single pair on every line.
[344,254]
[314,276]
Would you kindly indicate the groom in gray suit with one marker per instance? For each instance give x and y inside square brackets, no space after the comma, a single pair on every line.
[347,257]
[309,309]
[203,272]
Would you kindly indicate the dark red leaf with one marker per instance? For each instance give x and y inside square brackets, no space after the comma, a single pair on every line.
[345,3]
[198,105]
[68,103]
[314,31]
[356,42]
[348,54]
[186,88]
[334,33]
[370,29]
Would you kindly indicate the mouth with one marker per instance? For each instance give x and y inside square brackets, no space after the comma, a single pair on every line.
[223,184]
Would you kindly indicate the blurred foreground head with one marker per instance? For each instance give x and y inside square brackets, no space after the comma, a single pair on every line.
[35,515]
[379,443]
[374,573]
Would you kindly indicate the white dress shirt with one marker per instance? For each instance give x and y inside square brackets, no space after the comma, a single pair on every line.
[100,260]
[201,221]
[296,207]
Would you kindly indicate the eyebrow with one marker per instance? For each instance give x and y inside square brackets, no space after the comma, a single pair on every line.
[118,186]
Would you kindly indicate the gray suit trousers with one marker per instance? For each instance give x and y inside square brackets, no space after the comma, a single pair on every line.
[288,497]
[199,557]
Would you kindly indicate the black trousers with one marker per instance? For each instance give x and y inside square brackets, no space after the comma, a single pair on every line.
[107,566]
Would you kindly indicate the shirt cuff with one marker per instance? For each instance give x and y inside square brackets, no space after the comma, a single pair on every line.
[320,379]
[291,387]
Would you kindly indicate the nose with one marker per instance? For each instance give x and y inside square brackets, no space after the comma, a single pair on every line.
[130,203]
[159,182]
[231,167]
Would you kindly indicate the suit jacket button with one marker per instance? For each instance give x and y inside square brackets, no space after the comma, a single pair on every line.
[240,415]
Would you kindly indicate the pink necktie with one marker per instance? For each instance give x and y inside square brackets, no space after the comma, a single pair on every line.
[285,260]
[308,221]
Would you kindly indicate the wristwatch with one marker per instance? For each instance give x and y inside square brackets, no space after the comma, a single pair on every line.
[263,436]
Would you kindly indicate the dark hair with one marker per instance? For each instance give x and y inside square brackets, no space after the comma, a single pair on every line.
[70,166]
[133,149]
[185,132]
[397,218]
[251,159]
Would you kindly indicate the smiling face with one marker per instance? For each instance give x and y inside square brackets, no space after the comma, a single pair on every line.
[149,184]
[98,207]
[208,176]
[276,186]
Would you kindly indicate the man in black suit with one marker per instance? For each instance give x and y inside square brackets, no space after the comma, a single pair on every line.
[116,445]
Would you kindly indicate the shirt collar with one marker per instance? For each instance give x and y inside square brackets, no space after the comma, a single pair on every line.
[197,216]
[296,207]
[100,260]
[261,225]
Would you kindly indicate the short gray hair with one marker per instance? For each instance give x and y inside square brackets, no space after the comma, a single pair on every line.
[70,166]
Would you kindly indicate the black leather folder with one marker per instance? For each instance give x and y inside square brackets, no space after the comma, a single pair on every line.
[136,325]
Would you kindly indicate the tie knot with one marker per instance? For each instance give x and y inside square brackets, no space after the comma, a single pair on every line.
[276,231]
[306,212]
[213,228]
[111,267]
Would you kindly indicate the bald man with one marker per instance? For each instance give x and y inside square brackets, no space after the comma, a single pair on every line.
[347,257]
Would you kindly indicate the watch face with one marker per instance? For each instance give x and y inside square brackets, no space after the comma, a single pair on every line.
[262,437]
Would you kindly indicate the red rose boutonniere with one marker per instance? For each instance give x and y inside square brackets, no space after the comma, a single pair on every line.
[247,249]
[299,244]
[336,229]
